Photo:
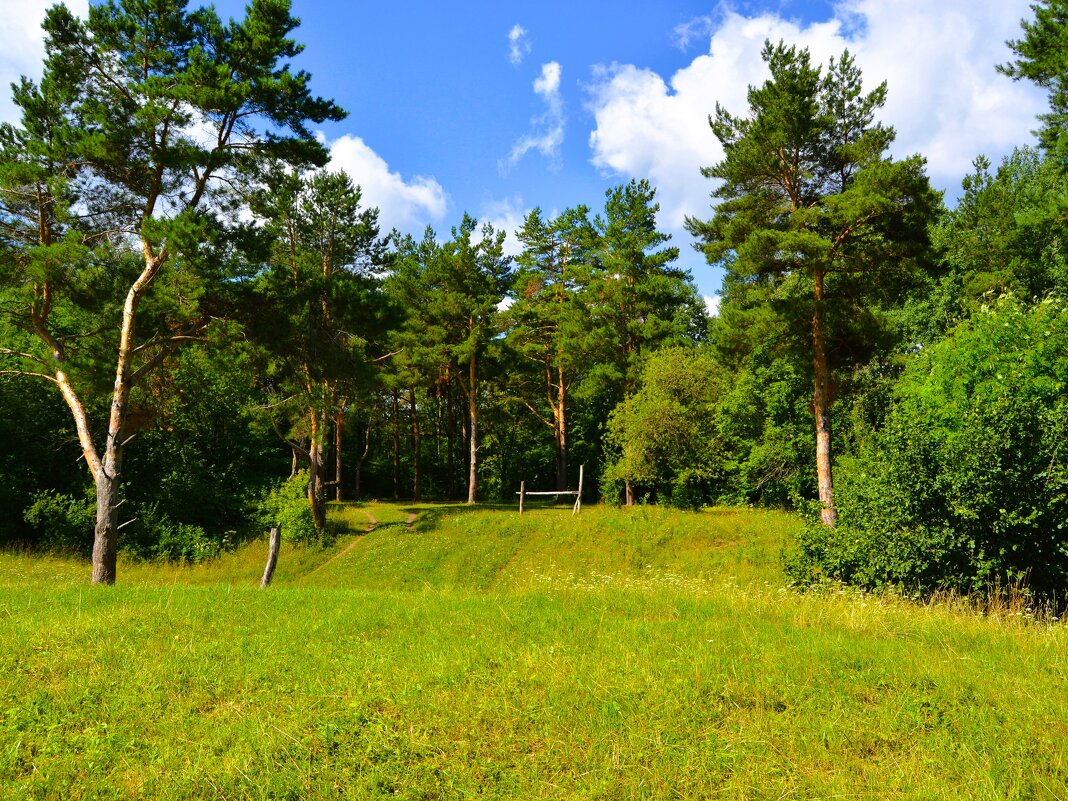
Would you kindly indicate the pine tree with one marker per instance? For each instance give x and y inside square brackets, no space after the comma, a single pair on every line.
[811,206]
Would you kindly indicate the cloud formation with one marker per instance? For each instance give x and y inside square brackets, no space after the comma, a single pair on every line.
[408,205]
[945,98]
[548,133]
[518,45]
[506,215]
[23,50]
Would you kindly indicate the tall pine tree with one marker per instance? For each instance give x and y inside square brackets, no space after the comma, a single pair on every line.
[811,205]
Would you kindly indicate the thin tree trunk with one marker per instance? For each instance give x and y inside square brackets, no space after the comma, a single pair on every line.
[396,446]
[560,430]
[363,457]
[339,429]
[821,407]
[450,432]
[316,493]
[472,410]
[272,556]
[628,492]
[417,447]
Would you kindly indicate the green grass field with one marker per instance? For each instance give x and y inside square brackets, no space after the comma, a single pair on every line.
[643,653]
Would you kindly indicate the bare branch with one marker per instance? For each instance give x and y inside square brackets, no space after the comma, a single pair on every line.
[21,355]
[26,372]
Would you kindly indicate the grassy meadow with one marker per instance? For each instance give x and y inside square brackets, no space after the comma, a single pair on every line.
[440,652]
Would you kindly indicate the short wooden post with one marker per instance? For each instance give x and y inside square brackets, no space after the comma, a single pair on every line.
[522,495]
[578,497]
[272,556]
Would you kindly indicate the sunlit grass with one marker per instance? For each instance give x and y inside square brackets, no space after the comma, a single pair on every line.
[640,653]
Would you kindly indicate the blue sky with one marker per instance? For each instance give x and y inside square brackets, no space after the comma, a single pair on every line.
[494,108]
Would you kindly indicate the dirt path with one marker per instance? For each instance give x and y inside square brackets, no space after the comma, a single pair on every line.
[373,524]
[410,521]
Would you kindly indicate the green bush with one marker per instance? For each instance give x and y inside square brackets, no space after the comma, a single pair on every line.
[966,485]
[287,506]
[62,522]
[155,535]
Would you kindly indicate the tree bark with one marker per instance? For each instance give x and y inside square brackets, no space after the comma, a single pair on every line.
[272,556]
[417,447]
[560,430]
[450,435]
[106,538]
[472,410]
[339,429]
[396,446]
[821,406]
[316,491]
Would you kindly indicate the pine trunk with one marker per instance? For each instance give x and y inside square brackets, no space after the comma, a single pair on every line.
[821,407]
[396,446]
[106,537]
[339,429]
[472,408]
[417,447]
[316,490]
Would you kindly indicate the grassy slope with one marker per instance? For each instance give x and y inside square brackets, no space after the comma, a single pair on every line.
[620,654]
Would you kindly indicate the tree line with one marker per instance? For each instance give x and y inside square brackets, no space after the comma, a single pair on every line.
[195,308]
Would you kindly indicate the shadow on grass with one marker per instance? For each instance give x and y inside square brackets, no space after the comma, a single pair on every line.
[425,517]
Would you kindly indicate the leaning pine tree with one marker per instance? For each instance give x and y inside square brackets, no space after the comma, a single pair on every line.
[117,194]
[811,204]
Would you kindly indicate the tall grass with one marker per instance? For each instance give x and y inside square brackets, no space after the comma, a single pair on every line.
[619,654]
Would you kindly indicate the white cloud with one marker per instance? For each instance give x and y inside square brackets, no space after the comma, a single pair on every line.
[697,29]
[518,45]
[945,98]
[408,205]
[548,133]
[22,45]
[506,215]
[712,305]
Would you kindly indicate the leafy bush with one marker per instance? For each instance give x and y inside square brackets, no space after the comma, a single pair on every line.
[63,522]
[663,437]
[287,506]
[155,535]
[966,485]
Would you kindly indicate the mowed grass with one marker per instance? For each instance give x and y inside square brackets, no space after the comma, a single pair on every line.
[641,653]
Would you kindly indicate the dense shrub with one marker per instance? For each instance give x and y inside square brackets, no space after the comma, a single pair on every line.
[62,522]
[156,535]
[287,506]
[663,438]
[966,485]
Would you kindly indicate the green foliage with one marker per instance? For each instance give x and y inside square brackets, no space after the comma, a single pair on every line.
[287,506]
[1041,58]
[155,535]
[764,419]
[966,485]
[664,436]
[62,522]
[1008,233]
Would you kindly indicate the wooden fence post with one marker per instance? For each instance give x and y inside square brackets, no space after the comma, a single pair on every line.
[272,556]
[522,495]
[578,497]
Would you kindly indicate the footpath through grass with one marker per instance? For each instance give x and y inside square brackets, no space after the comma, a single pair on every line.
[621,654]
